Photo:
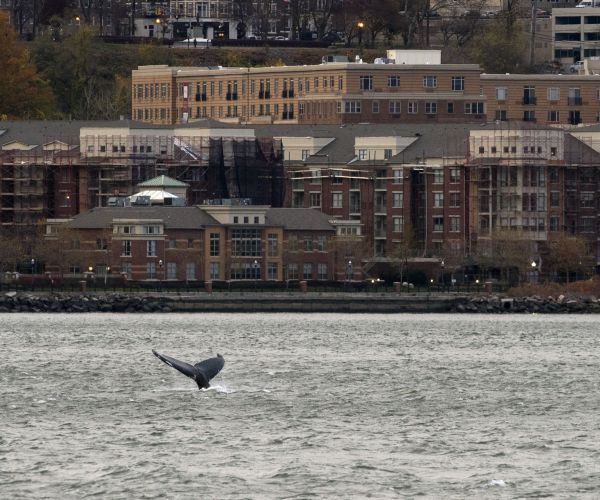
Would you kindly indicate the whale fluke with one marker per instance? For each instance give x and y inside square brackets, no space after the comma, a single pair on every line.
[201,372]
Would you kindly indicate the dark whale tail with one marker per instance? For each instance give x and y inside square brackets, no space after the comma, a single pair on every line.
[201,372]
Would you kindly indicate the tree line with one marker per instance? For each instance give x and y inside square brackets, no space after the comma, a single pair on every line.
[68,72]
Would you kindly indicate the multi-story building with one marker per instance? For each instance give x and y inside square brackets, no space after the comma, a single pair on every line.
[448,187]
[575,33]
[342,93]
[201,243]
[331,92]
[543,99]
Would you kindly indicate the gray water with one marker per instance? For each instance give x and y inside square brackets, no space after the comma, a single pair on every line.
[307,406]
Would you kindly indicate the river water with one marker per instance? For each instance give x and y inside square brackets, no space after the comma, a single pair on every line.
[307,406]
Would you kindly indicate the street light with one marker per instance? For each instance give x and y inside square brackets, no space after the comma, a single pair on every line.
[348,273]
[160,271]
[106,271]
[360,25]
[256,273]
[32,269]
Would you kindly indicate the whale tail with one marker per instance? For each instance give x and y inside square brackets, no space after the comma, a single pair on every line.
[201,372]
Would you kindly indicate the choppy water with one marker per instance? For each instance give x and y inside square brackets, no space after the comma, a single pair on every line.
[307,406]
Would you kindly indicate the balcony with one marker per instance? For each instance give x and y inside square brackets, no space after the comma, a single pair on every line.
[529,100]
[574,101]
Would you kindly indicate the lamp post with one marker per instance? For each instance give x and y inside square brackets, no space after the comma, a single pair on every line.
[106,271]
[256,273]
[32,273]
[348,273]
[360,25]
[533,271]
[160,272]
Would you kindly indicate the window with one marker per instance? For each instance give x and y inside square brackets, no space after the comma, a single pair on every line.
[438,224]
[430,81]
[126,269]
[398,176]
[190,271]
[438,200]
[171,270]
[500,115]
[336,200]
[151,270]
[321,243]
[272,245]
[554,223]
[375,106]
[393,81]
[587,199]
[458,83]
[450,107]
[474,108]
[501,93]
[398,224]
[272,271]
[455,175]
[214,270]
[528,116]
[126,248]
[394,107]
[553,93]
[366,82]
[305,154]
[554,199]
[101,244]
[308,244]
[151,230]
[315,200]
[307,271]
[362,154]
[322,273]
[438,176]
[398,199]
[413,107]
[431,108]
[454,224]
[293,243]
[245,243]
[215,244]
[553,116]
[292,272]
[352,106]
[151,248]
[454,199]
[387,154]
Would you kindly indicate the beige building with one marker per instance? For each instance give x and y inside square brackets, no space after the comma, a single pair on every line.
[356,92]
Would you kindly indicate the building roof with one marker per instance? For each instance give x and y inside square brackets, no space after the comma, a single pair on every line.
[298,219]
[173,217]
[433,140]
[162,181]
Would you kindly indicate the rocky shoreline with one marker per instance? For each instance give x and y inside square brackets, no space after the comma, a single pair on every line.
[22,302]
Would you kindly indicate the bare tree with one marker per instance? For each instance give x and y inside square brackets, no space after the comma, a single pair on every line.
[567,254]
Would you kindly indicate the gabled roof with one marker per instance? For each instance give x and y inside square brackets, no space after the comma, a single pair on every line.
[173,217]
[298,219]
[162,181]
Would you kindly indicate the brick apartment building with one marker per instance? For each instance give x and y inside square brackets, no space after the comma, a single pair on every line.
[453,185]
[417,88]
[200,243]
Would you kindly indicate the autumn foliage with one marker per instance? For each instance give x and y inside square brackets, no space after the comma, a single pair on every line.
[23,94]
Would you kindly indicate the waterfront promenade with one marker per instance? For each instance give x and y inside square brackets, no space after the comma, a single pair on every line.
[292,301]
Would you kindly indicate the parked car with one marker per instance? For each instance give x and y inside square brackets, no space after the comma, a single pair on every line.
[575,67]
